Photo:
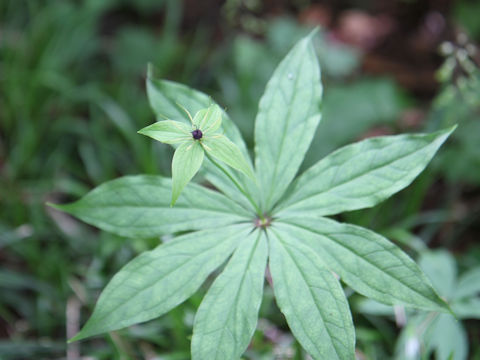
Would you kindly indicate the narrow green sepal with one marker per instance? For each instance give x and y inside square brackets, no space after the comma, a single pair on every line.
[221,148]
[186,162]
[168,131]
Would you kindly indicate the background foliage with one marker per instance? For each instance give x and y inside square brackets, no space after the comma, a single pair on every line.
[72,98]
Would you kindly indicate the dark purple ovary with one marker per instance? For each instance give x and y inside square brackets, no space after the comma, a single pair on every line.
[197,134]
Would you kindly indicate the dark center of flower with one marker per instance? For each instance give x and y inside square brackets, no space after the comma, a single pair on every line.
[197,134]
[263,223]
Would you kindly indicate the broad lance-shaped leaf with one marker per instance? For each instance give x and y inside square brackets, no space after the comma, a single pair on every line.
[366,261]
[168,100]
[362,174]
[158,280]
[311,298]
[227,316]
[139,206]
[288,115]
[187,159]
[224,150]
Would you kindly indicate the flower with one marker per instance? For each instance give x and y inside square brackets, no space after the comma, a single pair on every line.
[193,142]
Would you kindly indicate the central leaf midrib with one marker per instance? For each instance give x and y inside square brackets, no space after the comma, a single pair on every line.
[163,225]
[221,201]
[336,302]
[284,134]
[170,209]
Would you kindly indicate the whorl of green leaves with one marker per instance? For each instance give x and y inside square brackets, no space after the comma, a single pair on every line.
[257,217]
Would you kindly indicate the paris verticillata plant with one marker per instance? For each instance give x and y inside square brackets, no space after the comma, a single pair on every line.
[260,216]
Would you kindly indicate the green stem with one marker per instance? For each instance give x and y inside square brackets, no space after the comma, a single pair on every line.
[239,187]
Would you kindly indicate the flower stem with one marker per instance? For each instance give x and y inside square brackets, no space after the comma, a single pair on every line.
[238,186]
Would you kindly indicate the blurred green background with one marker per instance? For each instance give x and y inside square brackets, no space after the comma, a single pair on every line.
[72,97]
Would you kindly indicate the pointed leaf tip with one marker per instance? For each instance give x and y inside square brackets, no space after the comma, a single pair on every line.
[312,33]
[73,339]
[150,70]
[52,205]
[66,208]
[446,131]
[452,128]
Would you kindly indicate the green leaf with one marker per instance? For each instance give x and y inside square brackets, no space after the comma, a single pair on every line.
[158,280]
[224,150]
[447,338]
[168,131]
[208,120]
[366,261]
[432,336]
[227,316]
[441,269]
[468,308]
[187,159]
[362,174]
[289,113]
[469,284]
[311,298]
[139,206]
[169,101]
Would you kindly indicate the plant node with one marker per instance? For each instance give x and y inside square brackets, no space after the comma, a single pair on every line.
[263,222]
